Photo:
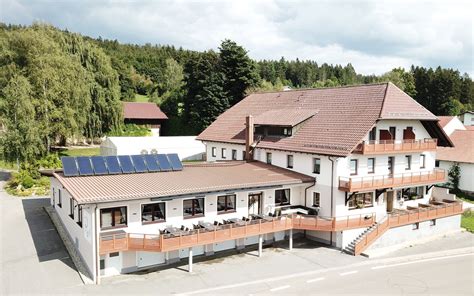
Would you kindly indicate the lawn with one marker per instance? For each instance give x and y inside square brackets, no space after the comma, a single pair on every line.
[141,98]
[467,221]
[80,152]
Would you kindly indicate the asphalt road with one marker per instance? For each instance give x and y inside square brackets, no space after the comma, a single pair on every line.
[450,275]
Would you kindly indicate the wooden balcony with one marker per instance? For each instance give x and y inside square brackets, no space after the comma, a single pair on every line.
[351,184]
[414,215]
[167,242]
[396,146]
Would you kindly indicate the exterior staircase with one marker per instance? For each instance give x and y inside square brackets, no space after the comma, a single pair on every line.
[350,248]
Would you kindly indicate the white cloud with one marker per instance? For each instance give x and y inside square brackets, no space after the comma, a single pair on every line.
[374,36]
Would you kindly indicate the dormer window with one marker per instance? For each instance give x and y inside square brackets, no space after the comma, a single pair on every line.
[281,122]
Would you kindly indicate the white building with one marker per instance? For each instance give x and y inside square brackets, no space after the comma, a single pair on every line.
[187,147]
[329,164]
[467,118]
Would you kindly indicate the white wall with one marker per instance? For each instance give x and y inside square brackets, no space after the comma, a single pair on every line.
[454,124]
[467,119]
[466,182]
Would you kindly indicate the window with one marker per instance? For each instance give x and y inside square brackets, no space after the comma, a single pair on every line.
[54,197]
[390,164]
[113,217]
[361,200]
[316,200]
[411,193]
[223,153]
[193,207]
[226,203]
[234,154]
[433,222]
[114,254]
[282,197]
[269,158]
[437,163]
[393,132]
[60,200]
[244,155]
[214,151]
[287,131]
[155,212]
[407,162]
[79,215]
[102,264]
[422,161]
[373,134]
[370,165]
[416,226]
[289,161]
[353,166]
[71,208]
[316,165]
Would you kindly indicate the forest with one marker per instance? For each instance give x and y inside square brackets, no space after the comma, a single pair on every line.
[57,85]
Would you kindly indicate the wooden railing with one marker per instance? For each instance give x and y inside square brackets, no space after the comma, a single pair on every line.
[423,213]
[395,146]
[351,184]
[168,242]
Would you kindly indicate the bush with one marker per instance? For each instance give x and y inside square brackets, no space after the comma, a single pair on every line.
[50,161]
[131,130]
[28,182]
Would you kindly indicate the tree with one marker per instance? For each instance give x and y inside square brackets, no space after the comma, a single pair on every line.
[21,141]
[404,80]
[454,175]
[239,70]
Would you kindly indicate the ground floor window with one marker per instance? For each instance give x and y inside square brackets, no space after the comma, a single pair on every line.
[113,217]
[316,199]
[282,197]
[154,212]
[79,215]
[416,226]
[193,207]
[411,193]
[361,200]
[71,208]
[433,222]
[226,203]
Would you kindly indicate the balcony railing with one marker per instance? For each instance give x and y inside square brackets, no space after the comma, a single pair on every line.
[168,242]
[396,146]
[351,184]
[420,214]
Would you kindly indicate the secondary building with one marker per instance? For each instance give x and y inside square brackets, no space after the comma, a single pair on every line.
[353,167]
[147,114]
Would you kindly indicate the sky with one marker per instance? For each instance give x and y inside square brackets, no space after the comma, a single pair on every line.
[374,36]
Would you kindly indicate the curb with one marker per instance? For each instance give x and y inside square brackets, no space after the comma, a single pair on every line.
[76,259]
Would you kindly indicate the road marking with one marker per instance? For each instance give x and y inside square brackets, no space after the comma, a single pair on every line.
[349,272]
[315,280]
[280,288]
[421,260]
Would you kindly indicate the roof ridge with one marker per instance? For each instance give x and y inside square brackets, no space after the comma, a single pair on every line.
[384,99]
[319,88]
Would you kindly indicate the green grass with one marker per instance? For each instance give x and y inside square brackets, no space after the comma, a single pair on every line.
[141,98]
[7,166]
[80,152]
[465,197]
[467,221]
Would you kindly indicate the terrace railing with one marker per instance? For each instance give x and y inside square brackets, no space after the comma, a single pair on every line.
[395,146]
[351,184]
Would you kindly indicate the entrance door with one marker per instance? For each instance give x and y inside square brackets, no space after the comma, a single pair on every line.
[389,199]
[255,204]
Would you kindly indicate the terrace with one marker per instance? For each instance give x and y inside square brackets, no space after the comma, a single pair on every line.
[396,146]
[351,184]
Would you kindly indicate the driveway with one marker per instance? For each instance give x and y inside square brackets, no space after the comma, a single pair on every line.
[33,257]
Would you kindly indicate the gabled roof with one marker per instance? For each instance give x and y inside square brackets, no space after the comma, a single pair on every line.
[463,150]
[134,110]
[193,179]
[345,115]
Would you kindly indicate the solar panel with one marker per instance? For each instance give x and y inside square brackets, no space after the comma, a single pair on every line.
[175,162]
[164,162]
[113,165]
[139,163]
[98,163]
[126,164]
[151,162]
[85,166]
[69,166]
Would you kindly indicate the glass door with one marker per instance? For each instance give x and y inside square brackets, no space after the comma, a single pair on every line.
[255,204]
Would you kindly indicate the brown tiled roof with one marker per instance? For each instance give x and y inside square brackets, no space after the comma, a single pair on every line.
[193,179]
[444,120]
[345,115]
[284,117]
[134,110]
[463,150]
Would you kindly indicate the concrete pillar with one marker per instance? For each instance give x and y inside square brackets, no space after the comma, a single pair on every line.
[290,239]
[260,245]
[190,267]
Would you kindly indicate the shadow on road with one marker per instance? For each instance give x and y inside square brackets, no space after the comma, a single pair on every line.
[4,176]
[47,242]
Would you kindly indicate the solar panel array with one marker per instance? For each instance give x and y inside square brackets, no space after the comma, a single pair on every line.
[121,164]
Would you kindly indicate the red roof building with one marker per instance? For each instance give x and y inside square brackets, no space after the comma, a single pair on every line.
[144,114]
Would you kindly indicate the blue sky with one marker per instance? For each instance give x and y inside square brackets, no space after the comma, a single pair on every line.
[375,36]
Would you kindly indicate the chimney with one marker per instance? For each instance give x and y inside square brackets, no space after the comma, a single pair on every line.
[248,137]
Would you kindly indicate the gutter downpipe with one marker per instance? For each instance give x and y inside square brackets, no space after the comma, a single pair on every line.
[332,190]
[96,238]
[306,198]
